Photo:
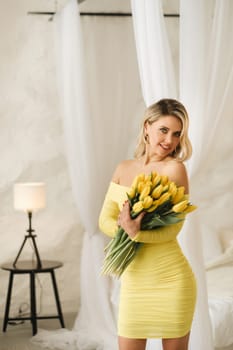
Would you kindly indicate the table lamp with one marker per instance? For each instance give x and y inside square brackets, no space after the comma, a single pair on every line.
[29,197]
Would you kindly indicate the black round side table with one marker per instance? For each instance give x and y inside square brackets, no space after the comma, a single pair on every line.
[31,268]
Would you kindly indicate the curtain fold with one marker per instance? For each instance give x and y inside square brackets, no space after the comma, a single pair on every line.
[153,52]
[95,324]
[205,89]
[96,320]
[195,28]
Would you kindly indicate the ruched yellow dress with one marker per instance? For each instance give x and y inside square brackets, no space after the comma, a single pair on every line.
[158,288]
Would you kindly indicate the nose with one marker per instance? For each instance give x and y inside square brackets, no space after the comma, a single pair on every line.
[168,139]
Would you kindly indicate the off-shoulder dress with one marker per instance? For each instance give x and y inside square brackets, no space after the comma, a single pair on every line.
[158,288]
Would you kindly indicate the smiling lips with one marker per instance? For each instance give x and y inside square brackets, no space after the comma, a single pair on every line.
[165,147]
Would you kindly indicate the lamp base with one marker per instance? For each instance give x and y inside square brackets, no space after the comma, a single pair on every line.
[32,237]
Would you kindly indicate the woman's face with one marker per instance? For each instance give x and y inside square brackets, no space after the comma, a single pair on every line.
[164,135]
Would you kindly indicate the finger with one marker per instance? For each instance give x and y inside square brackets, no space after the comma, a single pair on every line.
[140,216]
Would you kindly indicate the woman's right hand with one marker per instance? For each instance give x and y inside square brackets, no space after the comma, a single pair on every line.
[130,226]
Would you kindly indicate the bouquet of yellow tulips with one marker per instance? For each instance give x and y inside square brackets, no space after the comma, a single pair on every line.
[164,203]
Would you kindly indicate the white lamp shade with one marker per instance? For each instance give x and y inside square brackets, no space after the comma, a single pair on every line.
[29,196]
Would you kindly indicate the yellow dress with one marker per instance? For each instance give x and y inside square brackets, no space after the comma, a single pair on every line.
[158,288]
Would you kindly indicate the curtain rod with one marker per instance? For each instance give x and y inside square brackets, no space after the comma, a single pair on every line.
[120,14]
[117,14]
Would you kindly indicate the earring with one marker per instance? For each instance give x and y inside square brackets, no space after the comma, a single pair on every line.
[146,138]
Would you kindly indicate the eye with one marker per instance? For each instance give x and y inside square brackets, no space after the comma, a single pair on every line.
[177,134]
[163,130]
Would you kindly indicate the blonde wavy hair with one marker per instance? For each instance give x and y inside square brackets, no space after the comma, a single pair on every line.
[162,108]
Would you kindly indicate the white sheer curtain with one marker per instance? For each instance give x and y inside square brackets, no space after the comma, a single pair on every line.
[98,133]
[85,162]
[195,28]
[205,89]
[154,57]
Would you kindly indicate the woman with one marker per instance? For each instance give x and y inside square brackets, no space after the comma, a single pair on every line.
[158,289]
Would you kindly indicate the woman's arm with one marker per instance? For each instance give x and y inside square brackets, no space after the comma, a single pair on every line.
[108,217]
[158,235]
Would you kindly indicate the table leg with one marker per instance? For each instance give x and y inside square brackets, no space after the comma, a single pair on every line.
[33,303]
[57,299]
[8,301]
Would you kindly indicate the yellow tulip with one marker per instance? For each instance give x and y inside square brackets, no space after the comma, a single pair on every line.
[145,192]
[148,183]
[137,179]
[179,195]
[165,197]
[180,207]
[132,192]
[164,179]
[147,202]
[172,190]
[156,180]
[148,178]
[190,208]
[156,193]
[141,185]
[165,188]
[153,207]
[138,207]
[172,186]
[135,182]
[141,177]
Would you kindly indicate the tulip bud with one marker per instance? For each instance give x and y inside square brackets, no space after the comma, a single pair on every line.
[172,189]
[137,179]
[132,192]
[190,208]
[152,208]
[148,178]
[164,179]
[138,207]
[147,202]
[179,195]
[180,207]
[145,192]
[156,180]
[165,197]
[141,185]
[165,188]
[156,193]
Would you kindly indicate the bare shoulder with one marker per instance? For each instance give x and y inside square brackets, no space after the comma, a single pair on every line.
[122,168]
[177,172]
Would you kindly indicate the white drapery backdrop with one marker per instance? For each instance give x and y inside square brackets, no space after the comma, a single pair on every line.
[95,327]
[145,15]
[206,89]
[155,63]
